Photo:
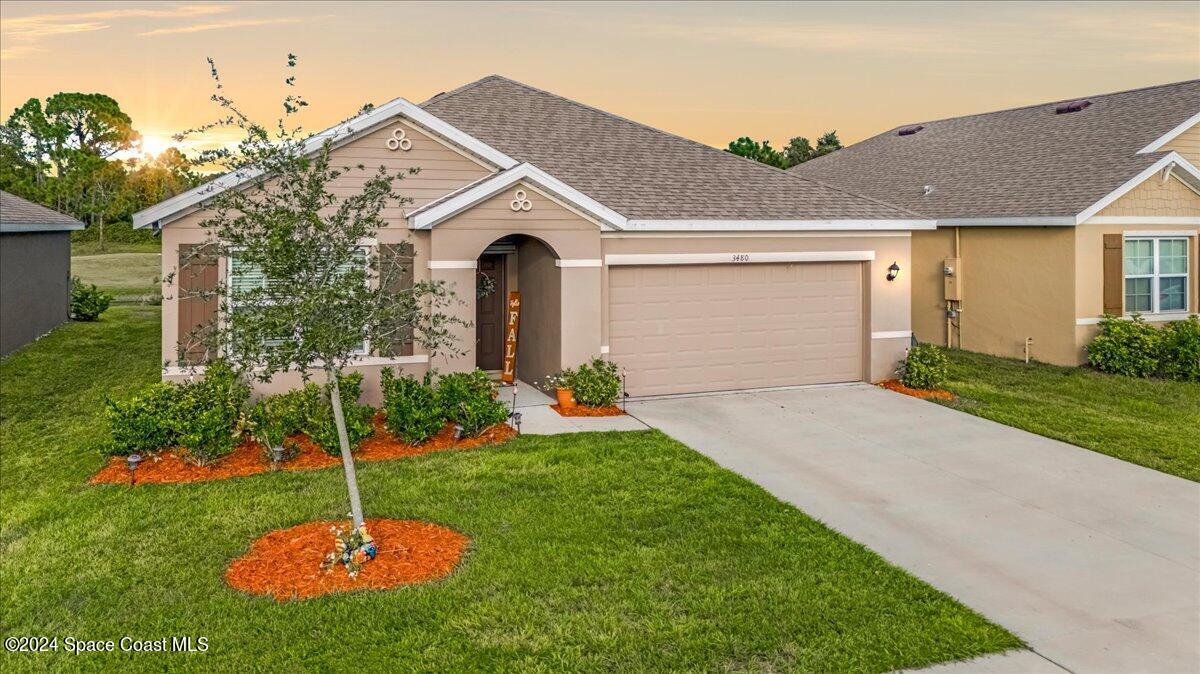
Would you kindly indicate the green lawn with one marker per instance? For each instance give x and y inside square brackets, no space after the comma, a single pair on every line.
[128,276]
[1150,422]
[615,552]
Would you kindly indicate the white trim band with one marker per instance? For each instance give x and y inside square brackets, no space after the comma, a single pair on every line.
[453,264]
[893,334]
[1144,220]
[1149,318]
[739,258]
[1158,234]
[1032,221]
[774,225]
[1172,134]
[579,263]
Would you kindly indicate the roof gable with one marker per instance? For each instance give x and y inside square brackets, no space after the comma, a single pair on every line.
[22,215]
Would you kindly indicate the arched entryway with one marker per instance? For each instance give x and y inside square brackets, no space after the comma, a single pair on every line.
[526,265]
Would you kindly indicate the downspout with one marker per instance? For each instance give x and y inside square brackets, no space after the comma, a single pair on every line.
[958,254]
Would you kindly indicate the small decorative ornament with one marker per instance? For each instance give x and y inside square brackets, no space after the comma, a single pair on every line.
[352,549]
[398,141]
[521,202]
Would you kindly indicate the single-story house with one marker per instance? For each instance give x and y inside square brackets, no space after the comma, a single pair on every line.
[694,269]
[1048,217]
[35,270]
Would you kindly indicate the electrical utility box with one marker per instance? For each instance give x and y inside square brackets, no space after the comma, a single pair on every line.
[952,277]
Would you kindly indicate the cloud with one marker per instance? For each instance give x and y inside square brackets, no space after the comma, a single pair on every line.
[21,34]
[220,25]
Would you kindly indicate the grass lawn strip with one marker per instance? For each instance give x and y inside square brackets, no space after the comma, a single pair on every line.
[591,551]
[1151,422]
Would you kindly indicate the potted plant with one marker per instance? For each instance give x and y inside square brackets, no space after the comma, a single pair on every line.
[563,384]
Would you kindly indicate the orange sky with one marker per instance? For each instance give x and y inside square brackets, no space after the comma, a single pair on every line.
[706,71]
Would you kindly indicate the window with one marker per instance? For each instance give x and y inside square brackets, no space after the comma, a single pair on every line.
[1156,275]
[244,277]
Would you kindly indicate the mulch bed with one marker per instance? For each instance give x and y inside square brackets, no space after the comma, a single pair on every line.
[586,411]
[898,387]
[249,458]
[286,563]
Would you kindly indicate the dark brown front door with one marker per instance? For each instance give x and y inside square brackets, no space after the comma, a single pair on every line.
[489,316]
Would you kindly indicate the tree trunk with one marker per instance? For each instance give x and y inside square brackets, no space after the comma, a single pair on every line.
[344,442]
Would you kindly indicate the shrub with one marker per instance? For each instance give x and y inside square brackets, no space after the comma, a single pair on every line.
[207,412]
[468,399]
[924,368]
[320,426]
[411,406]
[1128,347]
[87,301]
[597,383]
[203,416]
[143,423]
[1179,350]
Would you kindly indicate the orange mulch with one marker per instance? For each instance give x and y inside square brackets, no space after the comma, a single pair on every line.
[898,387]
[249,458]
[286,563]
[586,411]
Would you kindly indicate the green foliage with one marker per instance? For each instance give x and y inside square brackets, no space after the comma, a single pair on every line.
[410,406]
[144,422]
[121,231]
[1180,350]
[597,383]
[207,412]
[201,415]
[925,367]
[468,399]
[759,152]
[1126,347]
[87,301]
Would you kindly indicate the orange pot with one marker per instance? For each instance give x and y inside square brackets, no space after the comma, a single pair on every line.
[566,398]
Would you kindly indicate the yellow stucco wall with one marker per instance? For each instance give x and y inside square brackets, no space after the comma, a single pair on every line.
[1187,144]
[1017,282]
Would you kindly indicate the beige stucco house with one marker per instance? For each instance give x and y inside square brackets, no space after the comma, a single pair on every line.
[694,269]
[1048,217]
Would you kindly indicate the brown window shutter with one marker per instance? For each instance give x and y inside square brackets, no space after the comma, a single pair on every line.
[396,272]
[197,302]
[1114,274]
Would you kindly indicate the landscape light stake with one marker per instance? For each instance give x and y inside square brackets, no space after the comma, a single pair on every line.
[458,431]
[132,461]
[277,456]
[624,391]
[516,416]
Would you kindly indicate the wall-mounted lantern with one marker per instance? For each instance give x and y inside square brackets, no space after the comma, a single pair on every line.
[893,272]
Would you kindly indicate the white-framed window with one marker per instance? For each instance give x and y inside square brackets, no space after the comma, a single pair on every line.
[244,276]
[1156,274]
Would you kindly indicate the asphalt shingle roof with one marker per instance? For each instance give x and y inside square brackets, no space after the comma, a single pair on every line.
[17,214]
[1024,162]
[641,172]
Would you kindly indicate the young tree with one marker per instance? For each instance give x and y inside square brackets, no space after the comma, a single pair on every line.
[307,294]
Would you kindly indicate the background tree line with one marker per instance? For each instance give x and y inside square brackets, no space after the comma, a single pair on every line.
[64,153]
[798,150]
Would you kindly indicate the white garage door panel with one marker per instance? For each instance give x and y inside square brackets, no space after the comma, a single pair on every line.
[692,328]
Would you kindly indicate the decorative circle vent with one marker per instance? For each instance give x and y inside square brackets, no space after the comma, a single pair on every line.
[521,202]
[398,141]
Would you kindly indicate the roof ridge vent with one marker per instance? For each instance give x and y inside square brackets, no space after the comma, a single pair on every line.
[1071,106]
[910,130]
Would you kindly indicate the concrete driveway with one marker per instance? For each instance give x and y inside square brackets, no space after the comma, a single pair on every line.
[1092,561]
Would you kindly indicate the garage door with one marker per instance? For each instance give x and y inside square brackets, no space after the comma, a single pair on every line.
[692,328]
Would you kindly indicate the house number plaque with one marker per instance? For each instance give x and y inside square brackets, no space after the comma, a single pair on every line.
[511,327]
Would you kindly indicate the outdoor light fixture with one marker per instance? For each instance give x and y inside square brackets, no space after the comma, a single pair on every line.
[277,454]
[893,272]
[458,431]
[132,461]
[516,417]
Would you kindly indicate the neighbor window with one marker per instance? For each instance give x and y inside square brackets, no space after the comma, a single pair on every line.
[244,276]
[1156,275]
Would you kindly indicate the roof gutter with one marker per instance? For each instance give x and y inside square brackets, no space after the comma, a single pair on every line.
[1002,221]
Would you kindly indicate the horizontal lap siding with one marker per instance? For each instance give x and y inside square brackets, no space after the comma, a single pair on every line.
[690,328]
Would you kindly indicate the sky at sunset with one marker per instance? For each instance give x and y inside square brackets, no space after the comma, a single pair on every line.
[707,71]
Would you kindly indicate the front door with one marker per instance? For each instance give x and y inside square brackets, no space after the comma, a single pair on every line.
[489,314]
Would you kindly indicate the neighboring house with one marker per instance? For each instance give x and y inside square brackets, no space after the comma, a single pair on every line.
[692,268]
[35,270]
[1048,216]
